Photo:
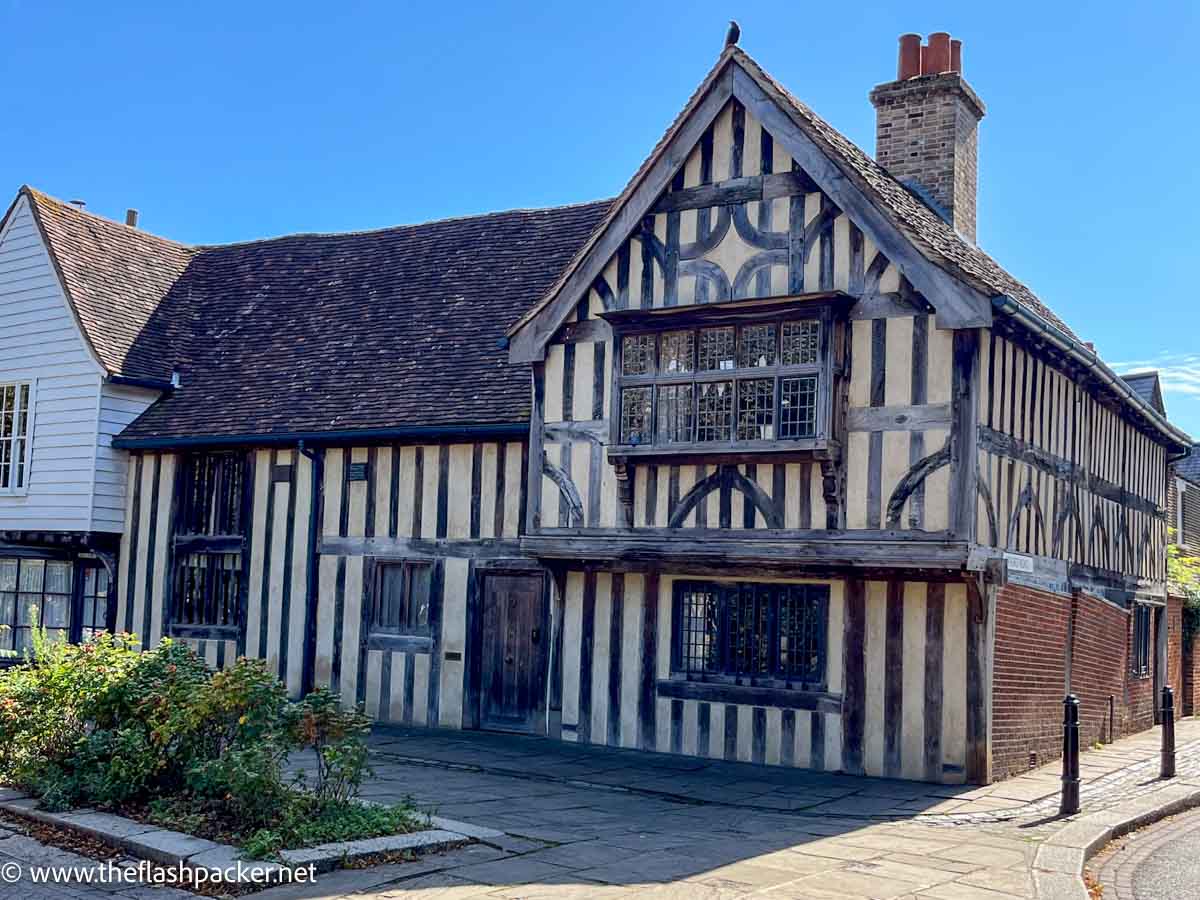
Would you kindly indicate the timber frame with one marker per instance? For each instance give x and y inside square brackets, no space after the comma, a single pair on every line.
[958,304]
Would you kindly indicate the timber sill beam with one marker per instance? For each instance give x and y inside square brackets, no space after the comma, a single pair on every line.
[777,549]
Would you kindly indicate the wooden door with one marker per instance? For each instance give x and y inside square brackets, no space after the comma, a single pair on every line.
[514,653]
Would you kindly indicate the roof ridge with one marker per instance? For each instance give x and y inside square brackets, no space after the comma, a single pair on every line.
[42,197]
[495,213]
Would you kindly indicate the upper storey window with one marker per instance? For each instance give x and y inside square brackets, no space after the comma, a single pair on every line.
[742,385]
[15,418]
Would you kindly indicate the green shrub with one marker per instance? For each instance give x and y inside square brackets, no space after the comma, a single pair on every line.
[105,724]
[336,736]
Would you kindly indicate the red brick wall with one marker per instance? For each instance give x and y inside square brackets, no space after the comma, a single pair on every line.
[1035,632]
[1190,700]
[1175,648]
[1029,676]
[1099,663]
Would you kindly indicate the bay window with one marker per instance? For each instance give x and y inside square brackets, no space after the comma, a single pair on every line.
[708,384]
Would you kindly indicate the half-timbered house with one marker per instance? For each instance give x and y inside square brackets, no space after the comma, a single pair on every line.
[764,459]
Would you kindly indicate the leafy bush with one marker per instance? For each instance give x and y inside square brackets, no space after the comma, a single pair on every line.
[105,724]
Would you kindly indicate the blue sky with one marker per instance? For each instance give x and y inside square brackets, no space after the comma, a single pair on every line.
[228,121]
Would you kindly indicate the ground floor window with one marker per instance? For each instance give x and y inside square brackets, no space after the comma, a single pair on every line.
[757,634]
[93,614]
[1139,658]
[34,593]
[207,591]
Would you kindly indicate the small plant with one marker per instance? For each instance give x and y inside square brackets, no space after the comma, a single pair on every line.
[337,737]
[158,735]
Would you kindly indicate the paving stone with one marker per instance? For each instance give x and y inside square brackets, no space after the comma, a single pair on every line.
[105,825]
[166,847]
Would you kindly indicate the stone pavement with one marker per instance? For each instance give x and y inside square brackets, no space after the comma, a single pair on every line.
[20,852]
[584,822]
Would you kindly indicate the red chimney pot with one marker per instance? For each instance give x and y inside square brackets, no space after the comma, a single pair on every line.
[937,56]
[910,57]
[956,56]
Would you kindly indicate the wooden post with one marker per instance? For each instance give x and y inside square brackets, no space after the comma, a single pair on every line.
[1070,767]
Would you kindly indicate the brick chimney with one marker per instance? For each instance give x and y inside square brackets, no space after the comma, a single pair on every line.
[927,127]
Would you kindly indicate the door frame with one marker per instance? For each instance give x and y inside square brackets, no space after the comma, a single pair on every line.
[474,695]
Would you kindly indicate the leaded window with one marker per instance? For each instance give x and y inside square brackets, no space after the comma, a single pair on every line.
[735,385]
[15,419]
[771,635]
[34,594]
[93,612]
[209,554]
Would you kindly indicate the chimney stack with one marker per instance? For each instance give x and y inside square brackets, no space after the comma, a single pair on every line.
[131,217]
[927,127]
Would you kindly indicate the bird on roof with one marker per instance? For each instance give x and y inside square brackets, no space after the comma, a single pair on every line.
[733,34]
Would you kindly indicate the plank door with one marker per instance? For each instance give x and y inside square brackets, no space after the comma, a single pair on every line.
[514,651]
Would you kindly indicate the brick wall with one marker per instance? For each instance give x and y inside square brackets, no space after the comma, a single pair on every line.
[1039,636]
[1175,647]
[1099,667]
[1190,700]
[1028,678]
[927,132]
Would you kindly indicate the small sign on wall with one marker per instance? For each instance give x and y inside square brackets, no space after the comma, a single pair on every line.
[1019,562]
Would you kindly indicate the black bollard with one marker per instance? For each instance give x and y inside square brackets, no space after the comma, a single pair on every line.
[1168,733]
[1070,775]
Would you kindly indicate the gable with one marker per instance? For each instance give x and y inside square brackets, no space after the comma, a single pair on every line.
[799,166]
[795,239]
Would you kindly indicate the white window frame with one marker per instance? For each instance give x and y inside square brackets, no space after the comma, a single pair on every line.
[13,488]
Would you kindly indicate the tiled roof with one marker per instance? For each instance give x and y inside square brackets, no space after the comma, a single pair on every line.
[932,235]
[115,277]
[1189,466]
[370,330]
[1146,386]
[929,232]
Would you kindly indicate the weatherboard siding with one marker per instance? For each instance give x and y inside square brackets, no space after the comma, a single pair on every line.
[40,342]
[119,405]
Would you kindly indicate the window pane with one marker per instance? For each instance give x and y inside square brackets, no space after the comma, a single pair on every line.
[716,349]
[801,343]
[801,633]
[58,578]
[402,606]
[749,644]
[29,609]
[55,611]
[420,580]
[206,589]
[637,354]
[8,575]
[756,346]
[676,413]
[8,618]
[714,416]
[678,353]
[798,407]
[756,410]
[635,415]
[700,632]
[32,574]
